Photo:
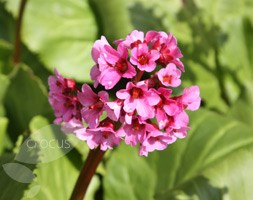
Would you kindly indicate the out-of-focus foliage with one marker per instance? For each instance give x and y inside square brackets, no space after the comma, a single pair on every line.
[216,39]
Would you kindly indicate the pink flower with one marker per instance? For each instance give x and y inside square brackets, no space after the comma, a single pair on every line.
[134,133]
[97,48]
[165,107]
[177,122]
[115,112]
[139,98]
[114,109]
[134,39]
[63,99]
[94,74]
[93,105]
[103,136]
[155,140]
[144,112]
[166,44]
[190,98]
[71,126]
[170,76]
[143,58]
[180,133]
[113,65]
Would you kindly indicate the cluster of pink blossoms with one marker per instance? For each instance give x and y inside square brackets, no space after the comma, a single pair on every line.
[144,112]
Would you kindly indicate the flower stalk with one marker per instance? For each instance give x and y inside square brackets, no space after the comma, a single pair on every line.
[87,172]
[17,45]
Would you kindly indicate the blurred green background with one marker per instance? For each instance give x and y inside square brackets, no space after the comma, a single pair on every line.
[214,162]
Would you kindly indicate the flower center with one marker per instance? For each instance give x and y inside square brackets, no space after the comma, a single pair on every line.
[58,83]
[136,93]
[135,125]
[98,105]
[167,79]
[106,134]
[121,65]
[135,44]
[68,103]
[70,83]
[161,102]
[143,59]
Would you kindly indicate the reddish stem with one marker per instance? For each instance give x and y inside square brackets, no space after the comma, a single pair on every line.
[17,46]
[88,170]
[138,76]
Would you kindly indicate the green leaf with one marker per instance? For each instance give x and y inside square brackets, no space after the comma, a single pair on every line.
[113,18]
[14,176]
[18,172]
[4,83]
[7,24]
[183,170]
[55,179]
[239,43]
[128,176]
[3,135]
[7,184]
[242,110]
[5,55]
[25,98]
[61,32]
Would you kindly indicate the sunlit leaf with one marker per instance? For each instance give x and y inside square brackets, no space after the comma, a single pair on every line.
[4,83]
[61,32]
[3,133]
[184,168]
[26,96]
[242,110]
[56,179]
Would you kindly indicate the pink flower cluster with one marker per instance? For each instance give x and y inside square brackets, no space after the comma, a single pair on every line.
[144,112]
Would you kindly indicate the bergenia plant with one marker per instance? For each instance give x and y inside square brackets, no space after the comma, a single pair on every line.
[144,112]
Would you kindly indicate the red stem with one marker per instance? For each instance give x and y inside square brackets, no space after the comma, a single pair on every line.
[17,46]
[138,76]
[88,170]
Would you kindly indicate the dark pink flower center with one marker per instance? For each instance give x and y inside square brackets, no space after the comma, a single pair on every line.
[98,105]
[107,123]
[106,134]
[143,59]
[68,103]
[135,44]
[70,83]
[165,54]
[167,79]
[58,83]
[121,65]
[152,140]
[161,102]
[136,93]
[136,125]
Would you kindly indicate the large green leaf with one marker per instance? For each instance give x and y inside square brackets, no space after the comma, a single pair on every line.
[25,98]
[4,83]
[215,144]
[113,18]
[61,32]
[3,127]
[56,179]
[237,52]
[7,24]
[7,184]
[5,55]
[242,110]
[128,176]
[14,176]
